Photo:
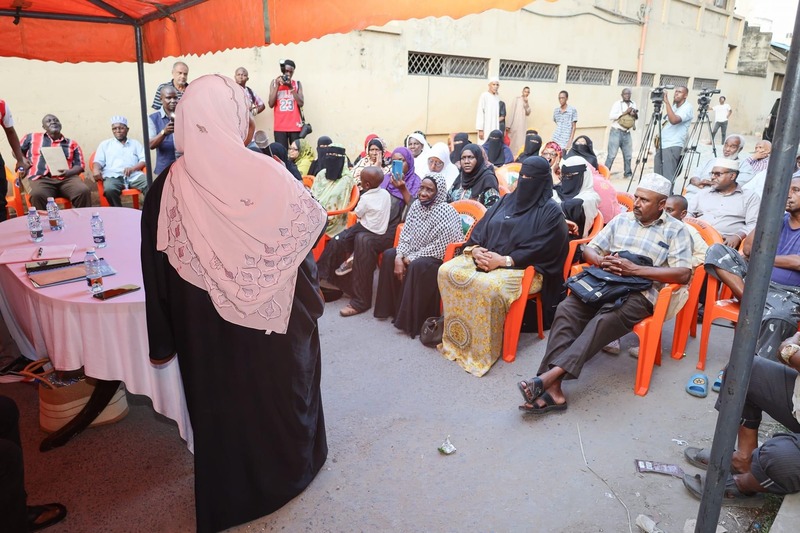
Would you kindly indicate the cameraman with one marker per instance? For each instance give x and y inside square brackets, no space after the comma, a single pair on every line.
[288,95]
[677,119]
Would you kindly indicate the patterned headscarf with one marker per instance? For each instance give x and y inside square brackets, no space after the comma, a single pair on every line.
[429,229]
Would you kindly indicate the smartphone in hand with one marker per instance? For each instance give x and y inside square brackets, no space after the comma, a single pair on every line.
[397,169]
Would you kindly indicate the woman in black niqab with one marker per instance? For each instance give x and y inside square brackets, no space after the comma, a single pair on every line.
[583,146]
[322,146]
[460,140]
[533,143]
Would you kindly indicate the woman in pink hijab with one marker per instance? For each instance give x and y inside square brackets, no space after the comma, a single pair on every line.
[231,289]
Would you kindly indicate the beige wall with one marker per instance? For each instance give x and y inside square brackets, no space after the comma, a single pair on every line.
[357,83]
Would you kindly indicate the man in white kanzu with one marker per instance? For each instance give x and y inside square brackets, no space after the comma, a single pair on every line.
[722,113]
[488,116]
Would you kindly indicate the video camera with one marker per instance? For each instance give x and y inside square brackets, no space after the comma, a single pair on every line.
[705,96]
[657,95]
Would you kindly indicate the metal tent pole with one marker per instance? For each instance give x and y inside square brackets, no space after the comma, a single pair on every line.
[143,104]
[762,258]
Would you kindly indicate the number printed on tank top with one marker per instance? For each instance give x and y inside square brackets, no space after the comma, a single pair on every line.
[286,104]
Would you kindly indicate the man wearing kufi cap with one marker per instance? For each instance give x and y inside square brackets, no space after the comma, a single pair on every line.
[580,330]
[731,210]
[119,163]
[701,175]
[488,116]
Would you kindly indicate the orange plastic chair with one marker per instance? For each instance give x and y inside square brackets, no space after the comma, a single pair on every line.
[686,319]
[603,170]
[308,181]
[727,309]
[354,195]
[133,192]
[503,172]
[502,190]
[625,199]
[14,200]
[649,333]
[511,329]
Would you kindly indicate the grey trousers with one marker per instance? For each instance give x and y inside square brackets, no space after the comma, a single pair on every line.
[579,331]
[776,464]
[672,159]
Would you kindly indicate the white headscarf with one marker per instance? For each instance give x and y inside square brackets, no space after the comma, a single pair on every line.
[421,161]
[591,200]
[233,222]
[442,153]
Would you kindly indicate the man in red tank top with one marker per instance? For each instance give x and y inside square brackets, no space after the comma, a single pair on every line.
[286,99]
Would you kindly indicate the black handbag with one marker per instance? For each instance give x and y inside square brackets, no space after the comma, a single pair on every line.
[306,128]
[432,331]
[597,287]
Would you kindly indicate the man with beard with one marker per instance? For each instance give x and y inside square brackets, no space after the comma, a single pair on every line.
[46,181]
[701,176]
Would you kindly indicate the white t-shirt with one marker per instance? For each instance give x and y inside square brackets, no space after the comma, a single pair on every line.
[373,210]
[721,112]
[6,120]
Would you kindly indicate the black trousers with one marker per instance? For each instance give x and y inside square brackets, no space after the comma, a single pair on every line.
[13,510]
[4,191]
[337,250]
[286,137]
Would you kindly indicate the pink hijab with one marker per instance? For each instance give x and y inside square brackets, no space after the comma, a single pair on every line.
[233,222]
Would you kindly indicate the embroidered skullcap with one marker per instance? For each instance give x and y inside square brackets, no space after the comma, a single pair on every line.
[119,119]
[656,183]
[730,164]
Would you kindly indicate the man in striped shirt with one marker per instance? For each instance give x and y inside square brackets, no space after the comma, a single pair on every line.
[179,81]
[46,181]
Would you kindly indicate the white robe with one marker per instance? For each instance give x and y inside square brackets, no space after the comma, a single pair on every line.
[488,116]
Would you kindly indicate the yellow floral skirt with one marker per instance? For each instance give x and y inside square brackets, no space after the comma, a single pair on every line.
[475,307]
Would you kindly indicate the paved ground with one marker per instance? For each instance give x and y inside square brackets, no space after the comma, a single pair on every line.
[389,403]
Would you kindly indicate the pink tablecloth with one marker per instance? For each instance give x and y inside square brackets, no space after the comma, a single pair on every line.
[107,338]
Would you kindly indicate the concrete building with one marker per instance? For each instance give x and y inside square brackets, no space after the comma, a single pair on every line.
[428,74]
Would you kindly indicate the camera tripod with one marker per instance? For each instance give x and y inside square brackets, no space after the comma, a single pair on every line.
[653,128]
[689,152]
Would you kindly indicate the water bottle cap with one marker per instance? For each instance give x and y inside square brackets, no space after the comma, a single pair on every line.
[31,210]
[96,214]
[51,199]
[90,250]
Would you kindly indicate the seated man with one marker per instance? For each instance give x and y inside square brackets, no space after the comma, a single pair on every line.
[773,467]
[782,308]
[161,129]
[730,210]
[15,515]
[46,181]
[119,162]
[701,175]
[756,163]
[579,330]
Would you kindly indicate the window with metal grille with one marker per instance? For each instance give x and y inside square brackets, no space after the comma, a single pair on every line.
[668,79]
[627,78]
[527,71]
[588,76]
[424,64]
[704,83]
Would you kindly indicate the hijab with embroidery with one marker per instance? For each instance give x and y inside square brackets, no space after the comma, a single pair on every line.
[241,240]
[430,226]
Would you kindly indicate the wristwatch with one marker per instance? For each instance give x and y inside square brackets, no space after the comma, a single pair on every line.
[508,262]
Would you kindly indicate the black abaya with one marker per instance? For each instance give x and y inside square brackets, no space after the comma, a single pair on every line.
[253,399]
[412,300]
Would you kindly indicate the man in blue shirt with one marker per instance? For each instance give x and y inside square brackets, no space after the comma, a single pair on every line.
[119,162]
[161,127]
[676,120]
[782,309]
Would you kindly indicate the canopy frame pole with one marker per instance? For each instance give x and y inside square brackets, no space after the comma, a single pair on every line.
[137,29]
[762,258]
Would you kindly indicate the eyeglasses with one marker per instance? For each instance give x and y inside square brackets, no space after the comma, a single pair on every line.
[548,154]
[718,174]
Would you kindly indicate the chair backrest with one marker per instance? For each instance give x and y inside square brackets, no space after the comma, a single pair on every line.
[15,198]
[603,170]
[503,191]
[626,200]
[308,181]
[101,189]
[354,194]
[507,175]
[471,212]
[597,225]
[706,230]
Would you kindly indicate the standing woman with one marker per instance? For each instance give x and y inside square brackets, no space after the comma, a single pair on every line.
[407,289]
[477,180]
[231,289]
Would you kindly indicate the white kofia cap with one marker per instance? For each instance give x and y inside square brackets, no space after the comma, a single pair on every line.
[656,183]
[119,119]
[723,162]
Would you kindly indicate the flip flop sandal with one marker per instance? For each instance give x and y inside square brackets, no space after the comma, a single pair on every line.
[732,495]
[531,389]
[700,457]
[36,511]
[718,382]
[698,385]
[350,311]
[549,406]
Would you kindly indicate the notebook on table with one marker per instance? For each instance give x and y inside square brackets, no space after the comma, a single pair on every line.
[58,275]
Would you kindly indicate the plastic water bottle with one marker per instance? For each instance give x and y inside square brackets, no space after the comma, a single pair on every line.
[98,232]
[127,182]
[93,277]
[53,216]
[35,225]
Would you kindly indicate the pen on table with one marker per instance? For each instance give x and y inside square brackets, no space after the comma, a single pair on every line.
[40,252]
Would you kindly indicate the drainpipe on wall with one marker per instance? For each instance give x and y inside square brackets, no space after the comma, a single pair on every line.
[642,42]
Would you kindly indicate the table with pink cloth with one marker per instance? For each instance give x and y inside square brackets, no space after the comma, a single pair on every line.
[107,338]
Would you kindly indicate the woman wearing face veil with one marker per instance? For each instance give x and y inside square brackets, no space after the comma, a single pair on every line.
[525,228]
[460,140]
[231,289]
[579,201]
[582,146]
[497,152]
[533,143]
